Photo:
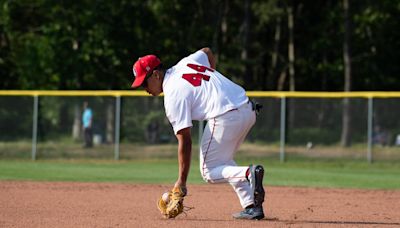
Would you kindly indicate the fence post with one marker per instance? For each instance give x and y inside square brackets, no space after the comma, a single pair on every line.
[370,128]
[283,129]
[117,126]
[35,123]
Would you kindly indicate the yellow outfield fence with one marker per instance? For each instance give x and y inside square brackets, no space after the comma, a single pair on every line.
[116,93]
[112,93]
[310,124]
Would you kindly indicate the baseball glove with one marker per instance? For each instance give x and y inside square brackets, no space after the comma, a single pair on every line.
[173,206]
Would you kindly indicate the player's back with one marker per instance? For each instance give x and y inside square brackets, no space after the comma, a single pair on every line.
[208,92]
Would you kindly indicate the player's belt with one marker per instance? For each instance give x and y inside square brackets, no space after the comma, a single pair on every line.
[254,106]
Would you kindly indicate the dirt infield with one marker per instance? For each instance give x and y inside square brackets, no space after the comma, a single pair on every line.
[66,204]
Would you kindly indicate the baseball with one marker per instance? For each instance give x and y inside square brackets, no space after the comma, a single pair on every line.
[165,197]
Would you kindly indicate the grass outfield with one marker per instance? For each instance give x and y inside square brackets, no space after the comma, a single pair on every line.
[335,174]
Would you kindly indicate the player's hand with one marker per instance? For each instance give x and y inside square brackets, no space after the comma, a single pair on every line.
[180,184]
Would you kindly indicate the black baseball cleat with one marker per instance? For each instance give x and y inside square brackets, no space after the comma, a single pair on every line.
[256,177]
[250,213]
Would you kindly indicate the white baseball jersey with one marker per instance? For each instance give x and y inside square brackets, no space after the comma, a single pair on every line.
[195,91]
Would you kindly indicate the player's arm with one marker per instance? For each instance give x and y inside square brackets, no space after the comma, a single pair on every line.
[184,155]
[210,56]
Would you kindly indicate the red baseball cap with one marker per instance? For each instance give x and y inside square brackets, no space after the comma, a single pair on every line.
[142,67]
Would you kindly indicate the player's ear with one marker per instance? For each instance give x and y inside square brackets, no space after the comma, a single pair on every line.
[157,74]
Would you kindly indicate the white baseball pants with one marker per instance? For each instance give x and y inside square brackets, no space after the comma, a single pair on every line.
[221,138]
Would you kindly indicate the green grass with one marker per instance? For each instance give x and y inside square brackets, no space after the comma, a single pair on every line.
[337,174]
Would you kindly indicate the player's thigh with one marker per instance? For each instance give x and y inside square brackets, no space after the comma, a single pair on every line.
[220,138]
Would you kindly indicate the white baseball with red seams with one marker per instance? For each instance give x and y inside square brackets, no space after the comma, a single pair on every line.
[165,197]
[194,91]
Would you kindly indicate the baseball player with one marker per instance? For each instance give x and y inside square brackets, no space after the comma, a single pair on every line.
[194,90]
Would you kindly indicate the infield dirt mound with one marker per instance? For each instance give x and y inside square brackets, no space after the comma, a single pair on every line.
[67,204]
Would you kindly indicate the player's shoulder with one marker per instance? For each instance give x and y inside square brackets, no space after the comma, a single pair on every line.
[198,57]
[175,85]
[177,93]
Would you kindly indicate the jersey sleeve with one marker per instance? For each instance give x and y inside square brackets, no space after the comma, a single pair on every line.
[179,113]
[199,57]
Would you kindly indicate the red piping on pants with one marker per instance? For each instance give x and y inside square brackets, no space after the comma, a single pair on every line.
[208,147]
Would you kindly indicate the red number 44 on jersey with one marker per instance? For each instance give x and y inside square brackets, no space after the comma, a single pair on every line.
[196,78]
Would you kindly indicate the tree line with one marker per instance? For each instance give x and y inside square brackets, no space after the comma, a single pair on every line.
[282,45]
[274,45]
